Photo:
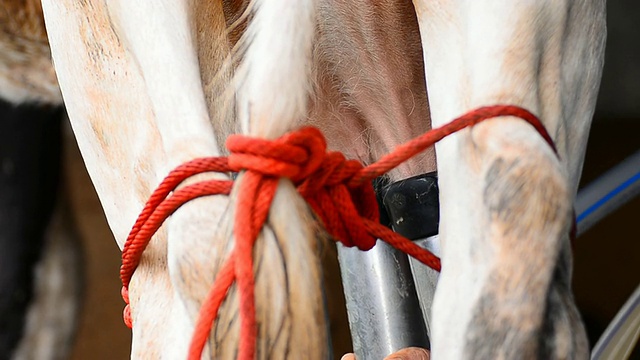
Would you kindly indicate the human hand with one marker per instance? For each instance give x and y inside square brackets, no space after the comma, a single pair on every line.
[412,353]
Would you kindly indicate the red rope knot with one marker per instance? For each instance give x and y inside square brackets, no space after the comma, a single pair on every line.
[295,155]
[342,207]
[322,179]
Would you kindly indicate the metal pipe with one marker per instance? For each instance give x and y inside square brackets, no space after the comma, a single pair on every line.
[607,193]
[426,279]
[620,337]
[383,308]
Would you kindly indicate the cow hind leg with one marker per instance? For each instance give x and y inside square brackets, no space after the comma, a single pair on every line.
[505,196]
[520,303]
[564,334]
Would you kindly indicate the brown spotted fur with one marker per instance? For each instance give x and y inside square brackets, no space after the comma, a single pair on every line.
[26,71]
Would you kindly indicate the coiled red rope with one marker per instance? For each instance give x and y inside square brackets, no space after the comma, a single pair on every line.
[339,191]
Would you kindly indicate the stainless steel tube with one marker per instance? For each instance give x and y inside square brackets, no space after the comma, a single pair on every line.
[384,312]
[621,336]
[426,279]
[609,192]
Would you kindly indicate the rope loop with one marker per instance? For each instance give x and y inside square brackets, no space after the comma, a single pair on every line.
[295,155]
[341,207]
[322,179]
[339,191]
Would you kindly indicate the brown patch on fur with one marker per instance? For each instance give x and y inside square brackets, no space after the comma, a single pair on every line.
[26,70]
[524,194]
[103,50]
[216,68]
[563,336]
[233,10]
[109,63]
[527,199]
[553,332]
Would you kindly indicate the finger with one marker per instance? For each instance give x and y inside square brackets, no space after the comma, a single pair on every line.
[412,353]
[348,357]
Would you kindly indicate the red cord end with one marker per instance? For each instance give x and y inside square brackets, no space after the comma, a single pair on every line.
[126,315]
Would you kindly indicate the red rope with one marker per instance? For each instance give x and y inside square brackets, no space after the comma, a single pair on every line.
[338,190]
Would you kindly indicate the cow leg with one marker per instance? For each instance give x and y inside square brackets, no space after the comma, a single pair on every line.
[132,129]
[506,198]
[132,80]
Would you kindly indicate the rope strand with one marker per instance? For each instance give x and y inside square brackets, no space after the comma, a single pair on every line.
[338,190]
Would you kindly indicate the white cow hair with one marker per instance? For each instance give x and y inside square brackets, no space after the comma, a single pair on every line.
[26,72]
[272,87]
[272,82]
[545,56]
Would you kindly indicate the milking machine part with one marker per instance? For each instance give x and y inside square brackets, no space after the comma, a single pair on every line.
[412,206]
[621,336]
[609,192]
[385,314]
[595,201]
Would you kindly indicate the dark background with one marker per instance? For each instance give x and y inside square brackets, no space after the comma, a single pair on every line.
[607,257]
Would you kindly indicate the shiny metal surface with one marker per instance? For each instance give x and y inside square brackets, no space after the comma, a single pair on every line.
[621,336]
[426,279]
[384,313]
[607,193]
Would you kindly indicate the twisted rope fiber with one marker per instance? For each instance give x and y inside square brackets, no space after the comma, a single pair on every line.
[339,191]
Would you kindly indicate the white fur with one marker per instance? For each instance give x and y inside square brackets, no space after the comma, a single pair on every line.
[273,80]
[480,53]
[145,96]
